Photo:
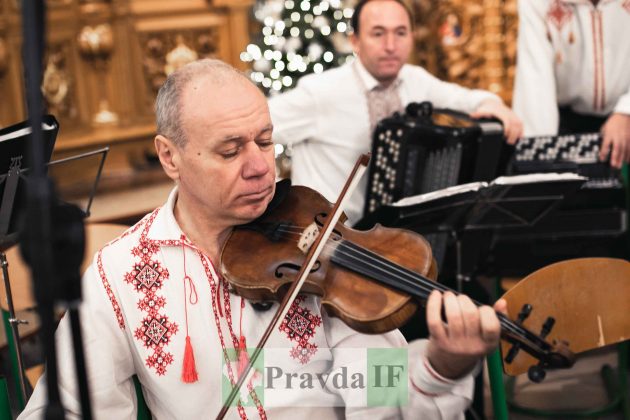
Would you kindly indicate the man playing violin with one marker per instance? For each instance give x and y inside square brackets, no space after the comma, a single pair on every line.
[156,306]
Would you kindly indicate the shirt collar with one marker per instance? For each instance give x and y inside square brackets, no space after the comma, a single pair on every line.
[367,80]
[165,226]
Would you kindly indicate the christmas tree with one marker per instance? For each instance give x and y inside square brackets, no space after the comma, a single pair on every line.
[298,37]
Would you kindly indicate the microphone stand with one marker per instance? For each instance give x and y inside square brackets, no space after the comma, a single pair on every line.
[49,225]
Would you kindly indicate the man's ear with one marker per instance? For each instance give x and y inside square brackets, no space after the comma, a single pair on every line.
[169,155]
[354,41]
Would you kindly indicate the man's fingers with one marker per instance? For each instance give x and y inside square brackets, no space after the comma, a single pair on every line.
[517,130]
[617,153]
[454,317]
[501,306]
[470,316]
[605,149]
[490,326]
[434,316]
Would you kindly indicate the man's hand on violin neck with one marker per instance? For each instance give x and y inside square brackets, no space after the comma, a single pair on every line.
[470,332]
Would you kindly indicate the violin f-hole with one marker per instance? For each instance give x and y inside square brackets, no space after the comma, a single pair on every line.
[294,267]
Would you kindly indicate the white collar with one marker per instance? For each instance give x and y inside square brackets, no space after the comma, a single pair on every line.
[367,80]
[165,226]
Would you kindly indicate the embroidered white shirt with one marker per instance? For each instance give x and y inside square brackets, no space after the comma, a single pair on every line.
[326,120]
[571,53]
[134,322]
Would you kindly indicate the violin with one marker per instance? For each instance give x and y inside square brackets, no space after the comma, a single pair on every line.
[374,280]
[371,280]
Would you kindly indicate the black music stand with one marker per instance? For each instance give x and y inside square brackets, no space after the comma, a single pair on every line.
[507,202]
[13,143]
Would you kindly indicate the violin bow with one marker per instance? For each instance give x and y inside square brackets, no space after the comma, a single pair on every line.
[313,253]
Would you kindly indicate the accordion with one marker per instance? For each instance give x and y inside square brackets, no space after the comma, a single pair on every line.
[577,153]
[590,223]
[428,149]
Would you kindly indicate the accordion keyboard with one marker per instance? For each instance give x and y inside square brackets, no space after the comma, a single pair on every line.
[578,153]
[579,148]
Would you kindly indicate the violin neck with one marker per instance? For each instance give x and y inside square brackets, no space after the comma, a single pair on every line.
[365,262]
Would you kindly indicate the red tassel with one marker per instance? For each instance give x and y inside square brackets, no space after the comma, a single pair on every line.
[243,357]
[189,372]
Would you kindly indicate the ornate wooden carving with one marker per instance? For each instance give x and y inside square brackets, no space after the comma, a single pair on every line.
[96,44]
[165,52]
[118,50]
[470,42]
[57,84]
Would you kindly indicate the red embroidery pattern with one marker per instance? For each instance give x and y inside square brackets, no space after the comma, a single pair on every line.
[101,272]
[211,276]
[155,331]
[108,290]
[559,14]
[299,325]
[151,303]
[626,5]
[147,277]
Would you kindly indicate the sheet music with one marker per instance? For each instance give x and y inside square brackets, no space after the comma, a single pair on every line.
[537,177]
[434,195]
[476,186]
[24,131]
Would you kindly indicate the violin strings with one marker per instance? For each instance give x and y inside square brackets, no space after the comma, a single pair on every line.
[408,278]
[415,280]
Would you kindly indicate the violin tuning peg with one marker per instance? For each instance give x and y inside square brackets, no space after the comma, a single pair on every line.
[536,374]
[509,358]
[524,313]
[547,326]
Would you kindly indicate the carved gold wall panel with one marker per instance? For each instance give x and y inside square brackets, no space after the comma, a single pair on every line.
[470,42]
[58,86]
[104,61]
[164,52]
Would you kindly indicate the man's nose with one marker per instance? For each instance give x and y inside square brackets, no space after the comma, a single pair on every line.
[256,164]
[390,42]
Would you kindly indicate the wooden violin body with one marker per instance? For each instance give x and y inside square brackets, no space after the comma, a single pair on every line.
[274,259]
[372,280]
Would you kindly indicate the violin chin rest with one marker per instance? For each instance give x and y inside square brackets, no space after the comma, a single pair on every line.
[261,306]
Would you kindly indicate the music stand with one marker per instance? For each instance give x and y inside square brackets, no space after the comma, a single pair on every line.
[13,142]
[506,202]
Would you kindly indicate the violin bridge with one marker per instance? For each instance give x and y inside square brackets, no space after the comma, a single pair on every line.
[307,237]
